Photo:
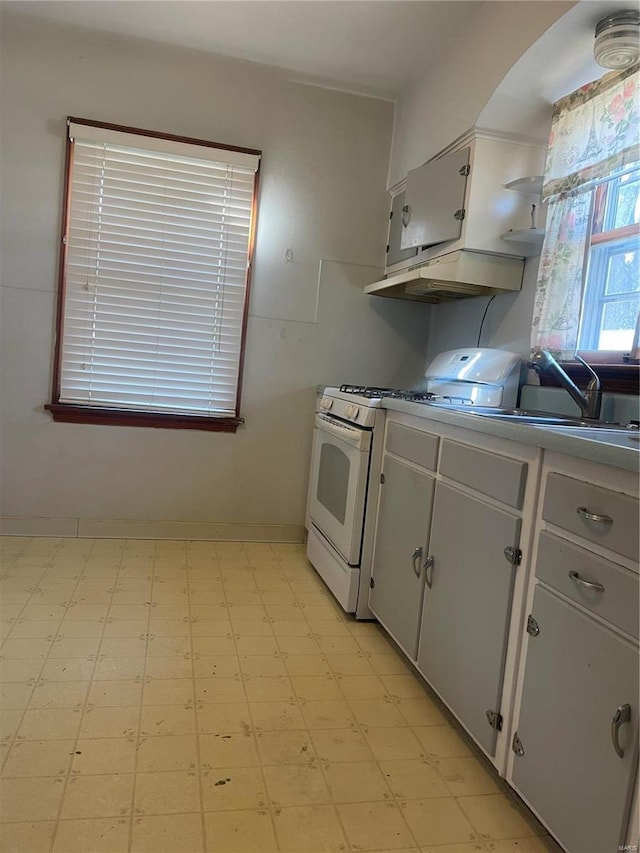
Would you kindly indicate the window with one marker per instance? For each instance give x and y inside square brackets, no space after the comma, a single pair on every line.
[588,294]
[612,287]
[158,236]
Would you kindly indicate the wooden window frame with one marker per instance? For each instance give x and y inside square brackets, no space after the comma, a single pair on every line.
[617,371]
[615,378]
[80,414]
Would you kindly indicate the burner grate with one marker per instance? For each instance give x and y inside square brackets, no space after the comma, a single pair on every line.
[368,391]
[371,391]
[418,396]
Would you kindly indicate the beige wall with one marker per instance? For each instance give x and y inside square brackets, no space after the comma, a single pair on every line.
[323,196]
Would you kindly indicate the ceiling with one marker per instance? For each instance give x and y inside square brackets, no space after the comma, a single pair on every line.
[373,47]
[559,62]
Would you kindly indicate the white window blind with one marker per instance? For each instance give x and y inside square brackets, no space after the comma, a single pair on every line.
[156,268]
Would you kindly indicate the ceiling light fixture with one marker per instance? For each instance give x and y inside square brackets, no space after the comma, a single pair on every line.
[617,43]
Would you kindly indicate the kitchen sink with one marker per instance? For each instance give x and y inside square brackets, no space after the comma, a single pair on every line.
[526,416]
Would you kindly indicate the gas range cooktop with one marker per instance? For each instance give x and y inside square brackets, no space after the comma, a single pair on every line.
[371,392]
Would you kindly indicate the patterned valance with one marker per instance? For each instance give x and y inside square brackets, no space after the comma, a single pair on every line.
[595,132]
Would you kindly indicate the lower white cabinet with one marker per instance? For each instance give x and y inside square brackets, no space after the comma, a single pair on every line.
[467,607]
[402,534]
[540,667]
[576,740]
[445,564]
[575,745]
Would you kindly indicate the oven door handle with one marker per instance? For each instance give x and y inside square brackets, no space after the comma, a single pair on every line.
[352,435]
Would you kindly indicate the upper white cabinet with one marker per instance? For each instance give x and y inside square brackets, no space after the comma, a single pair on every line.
[460,204]
[395,252]
[490,208]
[434,201]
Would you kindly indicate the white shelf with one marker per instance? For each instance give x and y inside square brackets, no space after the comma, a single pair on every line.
[525,235]
[532,237]
[531,184]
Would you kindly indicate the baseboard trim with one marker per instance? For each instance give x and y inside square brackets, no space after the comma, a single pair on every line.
[107,528]
[30,525]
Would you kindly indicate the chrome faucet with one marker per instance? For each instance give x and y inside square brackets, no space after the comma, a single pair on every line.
[590,401]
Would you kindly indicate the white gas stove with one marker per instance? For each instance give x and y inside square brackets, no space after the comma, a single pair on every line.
[347,455]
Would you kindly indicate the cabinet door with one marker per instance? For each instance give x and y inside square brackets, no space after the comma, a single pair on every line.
[577,675]
[394,253]
[434,194]
[466,612]
[406,498]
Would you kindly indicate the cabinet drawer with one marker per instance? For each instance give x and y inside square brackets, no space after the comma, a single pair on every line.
[416,446]
[488,473]
[563,566]
[567,503]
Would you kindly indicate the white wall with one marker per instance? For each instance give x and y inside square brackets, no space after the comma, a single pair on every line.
[466,91]
[447,101]
[507,324]
[323,196]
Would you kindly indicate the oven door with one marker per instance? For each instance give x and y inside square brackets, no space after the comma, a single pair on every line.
[338,484]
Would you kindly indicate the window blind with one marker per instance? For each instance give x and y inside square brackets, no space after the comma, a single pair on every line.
[157,249]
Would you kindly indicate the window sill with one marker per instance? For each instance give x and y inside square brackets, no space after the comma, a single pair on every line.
[66,413]
[614,378]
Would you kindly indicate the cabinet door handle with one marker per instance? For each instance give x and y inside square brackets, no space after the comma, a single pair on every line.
[405,215]
[621,716]
[428,571]
[575,577]
[583,512]
[415,558]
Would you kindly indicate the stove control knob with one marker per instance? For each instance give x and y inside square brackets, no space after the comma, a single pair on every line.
[326,403]
[353,412]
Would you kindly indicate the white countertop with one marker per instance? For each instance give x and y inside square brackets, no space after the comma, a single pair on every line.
[608,447]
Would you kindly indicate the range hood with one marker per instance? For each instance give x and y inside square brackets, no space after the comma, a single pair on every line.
[455,275]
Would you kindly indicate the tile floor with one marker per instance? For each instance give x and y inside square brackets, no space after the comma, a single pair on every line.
[192,696]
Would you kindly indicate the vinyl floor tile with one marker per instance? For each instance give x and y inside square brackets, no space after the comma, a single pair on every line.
[309,828]
[31,837]
[495,816]
[375,826]
[39,758]
[289,747]
[103,755]
[50,724]
[165,793]
[227,788]
[437,821]
[59,694]
[105,835]
[211,697]
[167,834]
[229,749]
[98,796]
[413,779]
[356,782]
[240,832]
[296,785]
[172,752]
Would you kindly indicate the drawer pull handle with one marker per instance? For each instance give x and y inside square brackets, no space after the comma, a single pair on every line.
[583,512]
[621,716]
[575,577]
[415,557]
